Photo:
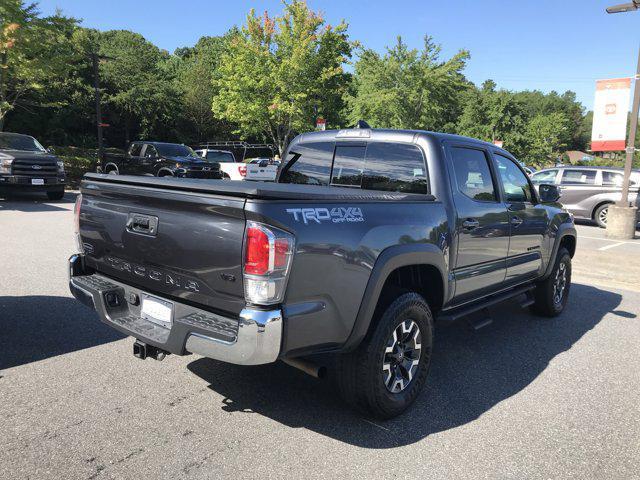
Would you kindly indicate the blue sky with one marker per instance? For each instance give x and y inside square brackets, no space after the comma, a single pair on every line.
[532,44]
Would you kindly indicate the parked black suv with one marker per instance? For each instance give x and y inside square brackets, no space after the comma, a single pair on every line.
[369,240]
[25,165]
[160,159]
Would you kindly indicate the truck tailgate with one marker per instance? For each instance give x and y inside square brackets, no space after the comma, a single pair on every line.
[177,244]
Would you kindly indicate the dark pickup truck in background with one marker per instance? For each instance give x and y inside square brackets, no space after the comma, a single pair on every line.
[25,165]
[368,240]
[160,159]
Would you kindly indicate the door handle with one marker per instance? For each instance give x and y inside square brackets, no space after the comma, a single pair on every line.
[470,224]
[516,221]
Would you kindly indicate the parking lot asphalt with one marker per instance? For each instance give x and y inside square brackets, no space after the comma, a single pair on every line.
[523,398]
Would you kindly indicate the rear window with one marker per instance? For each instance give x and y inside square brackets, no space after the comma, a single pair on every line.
[379,166]
[311,164]
[348,165]
[222,157]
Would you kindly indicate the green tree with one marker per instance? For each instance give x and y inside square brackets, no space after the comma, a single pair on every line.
[196,68]
[407,88]
[548,137]
[33,52]
[277,72]
[139,92]
[491,115]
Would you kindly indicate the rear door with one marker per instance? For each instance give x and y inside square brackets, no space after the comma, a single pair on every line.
[528,220]
[482,224]
[578,186]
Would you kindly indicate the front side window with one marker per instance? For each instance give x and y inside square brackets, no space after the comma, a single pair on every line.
[135,150]
[548,176]
[395,167]
[514,182]
[348,166]
[309,163]
[473,175]
[150,152]
[579,177]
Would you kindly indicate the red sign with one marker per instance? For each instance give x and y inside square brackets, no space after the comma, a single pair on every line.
[321,124]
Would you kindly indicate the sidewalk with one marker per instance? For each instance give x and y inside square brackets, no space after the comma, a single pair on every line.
[604,262]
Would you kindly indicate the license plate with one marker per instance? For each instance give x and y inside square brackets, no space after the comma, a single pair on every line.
[37,181]
[157,311]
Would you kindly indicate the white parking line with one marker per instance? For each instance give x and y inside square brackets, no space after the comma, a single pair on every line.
[607,247]
[608,240]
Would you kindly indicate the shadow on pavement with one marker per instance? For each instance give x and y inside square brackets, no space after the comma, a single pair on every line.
[470,374]
[34,328]
[36,202]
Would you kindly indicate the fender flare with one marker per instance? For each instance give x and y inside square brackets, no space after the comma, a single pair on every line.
[564,230]
[165,169]
[111,164]
[389,260]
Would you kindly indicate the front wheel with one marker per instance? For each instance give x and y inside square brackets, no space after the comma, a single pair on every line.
[601,214]
[386,373]
[551,294]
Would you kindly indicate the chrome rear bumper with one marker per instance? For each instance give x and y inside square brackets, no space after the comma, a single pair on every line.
[253,338]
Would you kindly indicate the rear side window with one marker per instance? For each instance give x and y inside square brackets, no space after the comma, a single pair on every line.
[579,177]
[311,164]
[473,174]
[348,166]
[612,179]
[395,167]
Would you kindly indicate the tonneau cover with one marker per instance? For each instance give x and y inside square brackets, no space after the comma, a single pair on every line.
[258,190]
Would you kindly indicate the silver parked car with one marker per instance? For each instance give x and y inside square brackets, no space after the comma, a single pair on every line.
[587,192]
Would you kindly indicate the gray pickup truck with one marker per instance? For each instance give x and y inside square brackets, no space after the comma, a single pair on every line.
[368,240]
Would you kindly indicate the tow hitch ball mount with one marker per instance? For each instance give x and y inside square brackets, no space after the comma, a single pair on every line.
[141,350]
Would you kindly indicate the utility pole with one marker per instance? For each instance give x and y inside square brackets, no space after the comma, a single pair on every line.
[622,218]
[96,86]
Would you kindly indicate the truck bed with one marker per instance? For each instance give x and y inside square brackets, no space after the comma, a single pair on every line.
[256,190]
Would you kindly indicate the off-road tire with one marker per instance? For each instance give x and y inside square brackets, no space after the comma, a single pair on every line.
[545,296]
[359,374]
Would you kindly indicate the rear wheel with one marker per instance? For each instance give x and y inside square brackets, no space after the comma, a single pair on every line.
[600,215]
[55,195]
[386,373]
[551,294]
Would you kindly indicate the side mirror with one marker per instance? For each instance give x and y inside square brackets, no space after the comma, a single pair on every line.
[549,193]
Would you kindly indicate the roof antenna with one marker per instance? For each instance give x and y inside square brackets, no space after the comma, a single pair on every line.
[362,124]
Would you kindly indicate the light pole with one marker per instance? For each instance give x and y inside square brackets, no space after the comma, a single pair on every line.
[621,218]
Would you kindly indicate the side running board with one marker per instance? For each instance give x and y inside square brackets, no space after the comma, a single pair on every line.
[455,314]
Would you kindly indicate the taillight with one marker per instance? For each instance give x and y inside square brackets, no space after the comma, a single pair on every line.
[267,261]
[76,221]
[242,169]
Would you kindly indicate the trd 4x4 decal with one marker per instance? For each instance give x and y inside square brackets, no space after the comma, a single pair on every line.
[319,215]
